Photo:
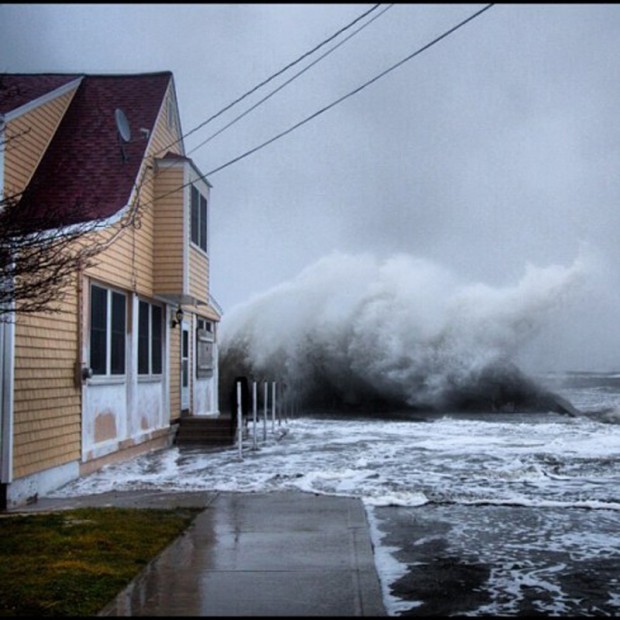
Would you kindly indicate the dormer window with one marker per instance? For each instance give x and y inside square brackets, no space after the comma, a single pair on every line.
[199,219]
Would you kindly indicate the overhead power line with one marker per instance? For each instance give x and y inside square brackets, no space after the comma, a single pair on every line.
[294,77]
[351,93]
[272,77]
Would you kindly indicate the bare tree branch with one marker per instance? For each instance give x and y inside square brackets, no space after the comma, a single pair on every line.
[39,258]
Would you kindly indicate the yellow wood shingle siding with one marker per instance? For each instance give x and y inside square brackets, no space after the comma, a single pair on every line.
[27,138]
[47,401]
[198,274]
[127,262]
[169,230]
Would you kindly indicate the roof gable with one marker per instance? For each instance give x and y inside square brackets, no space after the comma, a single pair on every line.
[83,175]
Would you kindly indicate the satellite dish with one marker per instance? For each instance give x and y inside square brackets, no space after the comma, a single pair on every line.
[122,124]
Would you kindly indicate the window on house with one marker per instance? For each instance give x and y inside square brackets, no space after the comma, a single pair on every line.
[107,331]
[150,324]
[199,219]
[204,324]
[204,348]
[185,359]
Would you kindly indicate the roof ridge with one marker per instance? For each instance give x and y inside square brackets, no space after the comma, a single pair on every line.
[40,74]
[90,75]
[114,75]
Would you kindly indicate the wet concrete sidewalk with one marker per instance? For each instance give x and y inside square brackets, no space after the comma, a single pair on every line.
[265,554]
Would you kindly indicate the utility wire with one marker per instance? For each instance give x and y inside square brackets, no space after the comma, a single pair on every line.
[272,93]
[272,77]
[350,94]
[353,92]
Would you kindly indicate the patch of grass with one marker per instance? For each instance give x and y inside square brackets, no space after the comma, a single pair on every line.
[74,562]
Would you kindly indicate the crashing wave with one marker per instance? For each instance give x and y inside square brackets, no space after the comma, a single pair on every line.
[355,331]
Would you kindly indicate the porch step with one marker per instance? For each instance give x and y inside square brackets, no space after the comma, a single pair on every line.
[208,431]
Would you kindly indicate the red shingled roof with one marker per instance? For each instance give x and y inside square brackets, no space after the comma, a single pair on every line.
[17,89]
[82,175]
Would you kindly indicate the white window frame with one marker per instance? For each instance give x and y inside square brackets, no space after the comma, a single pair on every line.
[200,219]
[150,374]
[108,375]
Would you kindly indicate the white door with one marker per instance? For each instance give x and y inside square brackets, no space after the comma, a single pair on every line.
[184,365]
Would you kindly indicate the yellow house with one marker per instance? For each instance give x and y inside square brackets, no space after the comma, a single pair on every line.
[134,349]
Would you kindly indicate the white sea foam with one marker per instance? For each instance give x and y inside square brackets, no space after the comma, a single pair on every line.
[402,329]
[443,468]
[571,462]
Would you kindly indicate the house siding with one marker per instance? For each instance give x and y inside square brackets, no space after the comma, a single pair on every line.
[169,230]
[126,263]
[27,138]
[198,274]
[47,404]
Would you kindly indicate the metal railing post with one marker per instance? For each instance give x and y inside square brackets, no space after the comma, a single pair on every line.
[265,411]
[273,406]
[254,406]
[239,421]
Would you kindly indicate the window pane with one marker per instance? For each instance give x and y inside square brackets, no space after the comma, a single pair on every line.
[143,338]
[185,373]
[117,342]
[185,345]
[156,340]
[184,359]
[203,223]
[195,215]
[98,322]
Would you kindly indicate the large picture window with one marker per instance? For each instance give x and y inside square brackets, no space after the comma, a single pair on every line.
[199,219]
[107,331]
[150,324]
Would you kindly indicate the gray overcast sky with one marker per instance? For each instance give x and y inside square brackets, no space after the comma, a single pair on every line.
[495,148]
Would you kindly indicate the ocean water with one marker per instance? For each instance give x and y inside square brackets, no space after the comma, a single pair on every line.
[481,514]
[477,514]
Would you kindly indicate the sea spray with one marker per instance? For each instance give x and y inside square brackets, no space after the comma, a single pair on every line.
[356,330]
